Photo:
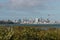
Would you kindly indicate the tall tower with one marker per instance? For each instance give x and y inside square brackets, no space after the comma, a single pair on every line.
[36,20]
[48,16]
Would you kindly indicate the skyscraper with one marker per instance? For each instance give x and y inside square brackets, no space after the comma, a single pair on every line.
[36,20]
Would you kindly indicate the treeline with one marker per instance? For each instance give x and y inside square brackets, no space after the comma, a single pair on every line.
[28,33]
[6,22]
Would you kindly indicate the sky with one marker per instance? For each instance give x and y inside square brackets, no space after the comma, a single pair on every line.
[17,9]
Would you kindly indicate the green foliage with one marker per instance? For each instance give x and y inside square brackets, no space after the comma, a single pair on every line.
[28,33]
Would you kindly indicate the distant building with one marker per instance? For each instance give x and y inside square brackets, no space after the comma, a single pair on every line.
[19,21]
[15,21]
[36,20]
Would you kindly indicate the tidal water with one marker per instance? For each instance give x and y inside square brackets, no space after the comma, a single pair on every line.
[36,25]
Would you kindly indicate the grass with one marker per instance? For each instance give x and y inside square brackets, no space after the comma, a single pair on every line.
[28,33]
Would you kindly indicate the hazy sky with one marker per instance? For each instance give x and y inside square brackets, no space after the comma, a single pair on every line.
[15,9]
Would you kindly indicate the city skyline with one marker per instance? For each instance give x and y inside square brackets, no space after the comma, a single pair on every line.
[16,9]
[30,21]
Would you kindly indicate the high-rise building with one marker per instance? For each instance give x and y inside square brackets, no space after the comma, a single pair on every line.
[36,20]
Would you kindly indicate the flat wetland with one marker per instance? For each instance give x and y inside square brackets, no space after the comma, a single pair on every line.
[29,32]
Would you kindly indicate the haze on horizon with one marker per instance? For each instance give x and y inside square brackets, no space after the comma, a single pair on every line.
[15,9]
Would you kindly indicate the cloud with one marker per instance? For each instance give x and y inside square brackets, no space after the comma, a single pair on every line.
[25,3]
